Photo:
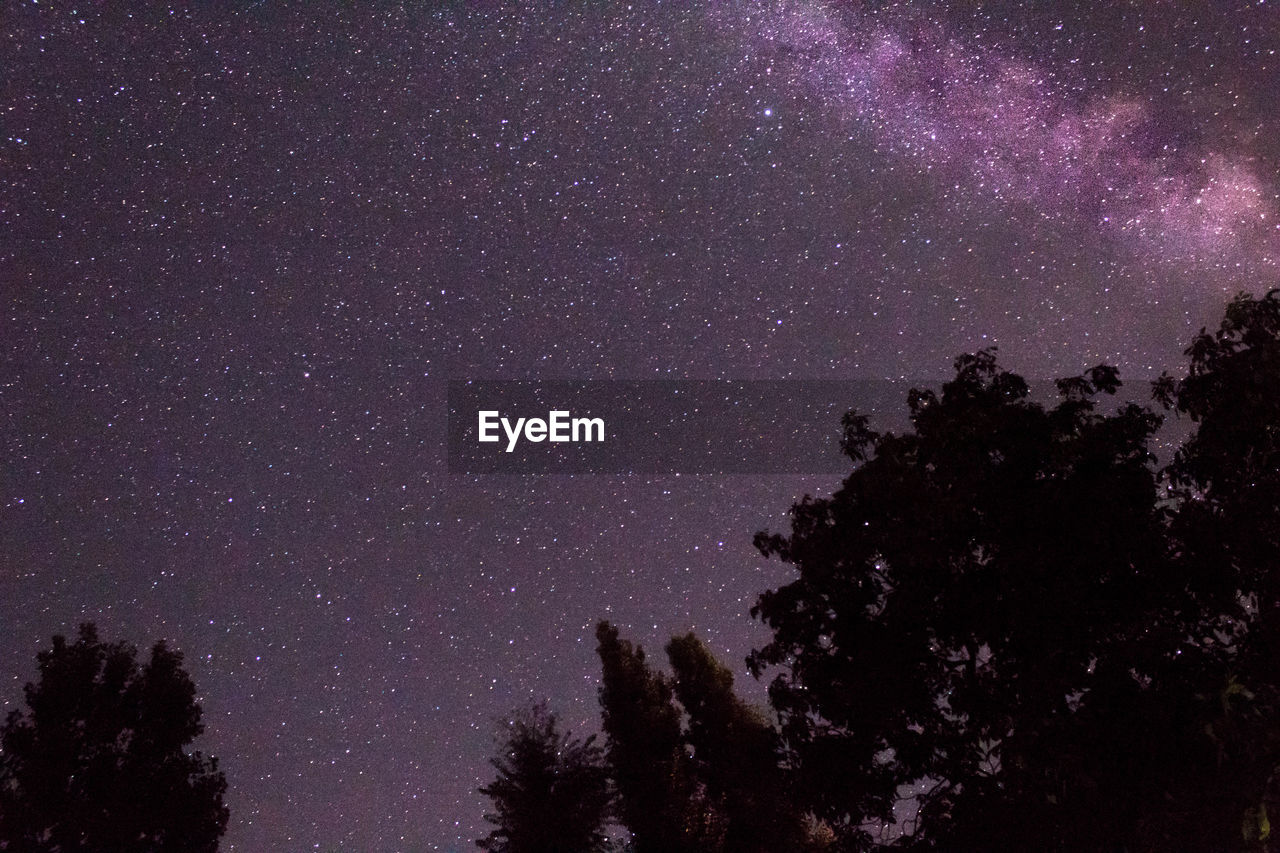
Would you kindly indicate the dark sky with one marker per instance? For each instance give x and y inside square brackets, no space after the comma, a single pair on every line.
[244,246]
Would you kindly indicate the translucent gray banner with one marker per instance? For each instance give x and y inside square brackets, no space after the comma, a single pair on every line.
[659,426]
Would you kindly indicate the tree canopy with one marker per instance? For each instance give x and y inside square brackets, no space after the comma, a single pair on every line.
[696,766]
[659,799]
[551,794]
[97,760]
[1010,611]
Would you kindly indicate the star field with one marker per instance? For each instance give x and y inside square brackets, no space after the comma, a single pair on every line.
[244,247]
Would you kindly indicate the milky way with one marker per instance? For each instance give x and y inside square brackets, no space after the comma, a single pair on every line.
[1010,128]
[244,246]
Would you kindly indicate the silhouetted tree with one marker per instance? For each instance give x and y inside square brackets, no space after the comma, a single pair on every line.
[991,611]
[735,755]
[660,800]
[1227,474]
[695,765]
[1226,538]
[552,793]
[98,759]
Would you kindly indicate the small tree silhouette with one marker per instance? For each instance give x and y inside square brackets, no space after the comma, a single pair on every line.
[98,761]
[552,793]
[660,799]
[696,767]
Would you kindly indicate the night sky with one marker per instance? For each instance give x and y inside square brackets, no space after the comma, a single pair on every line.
[245,246]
